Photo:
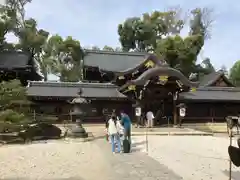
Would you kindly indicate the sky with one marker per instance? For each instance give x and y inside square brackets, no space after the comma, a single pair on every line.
[94,22]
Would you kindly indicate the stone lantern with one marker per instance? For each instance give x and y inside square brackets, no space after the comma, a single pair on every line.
[77,114]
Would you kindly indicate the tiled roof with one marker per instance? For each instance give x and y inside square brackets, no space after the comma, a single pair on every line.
[215,94]
[70,90]
[113,61]
[211,78]
[13,60]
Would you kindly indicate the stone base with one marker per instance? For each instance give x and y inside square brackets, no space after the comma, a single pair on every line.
[77,135]
[77,132]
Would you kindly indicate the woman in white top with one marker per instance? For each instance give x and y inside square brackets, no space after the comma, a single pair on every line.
[113,132]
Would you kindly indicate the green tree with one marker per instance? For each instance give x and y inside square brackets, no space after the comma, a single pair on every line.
[152,33]
[181,53]
[235,73]
[142,33]
[11,91]
[12,14]
[95,48]
[8,22]
[108,48]
[33,40]
[65,58]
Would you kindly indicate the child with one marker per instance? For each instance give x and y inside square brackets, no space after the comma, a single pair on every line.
[120,129]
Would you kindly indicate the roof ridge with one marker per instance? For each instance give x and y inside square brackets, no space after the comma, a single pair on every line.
[230,89]
[71,84]
[117,52]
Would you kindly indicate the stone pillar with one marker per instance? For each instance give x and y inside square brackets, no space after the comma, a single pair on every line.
[175,113]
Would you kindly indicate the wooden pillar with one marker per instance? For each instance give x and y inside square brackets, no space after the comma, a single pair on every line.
[175,113]
[175,116]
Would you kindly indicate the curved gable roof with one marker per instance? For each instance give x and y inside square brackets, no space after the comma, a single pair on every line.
[158,71]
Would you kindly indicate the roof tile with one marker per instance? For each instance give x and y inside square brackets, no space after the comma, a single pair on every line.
[113,61]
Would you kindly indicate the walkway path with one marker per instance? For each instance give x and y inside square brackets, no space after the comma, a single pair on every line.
[193,157]
[136,165]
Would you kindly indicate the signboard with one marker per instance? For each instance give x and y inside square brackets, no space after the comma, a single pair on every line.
[182,111]
[138,111]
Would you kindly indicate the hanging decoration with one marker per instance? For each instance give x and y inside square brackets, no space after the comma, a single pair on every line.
[163,79]
[144,88]
[121,77]
[175,96]
[193,89]
[179,83]
[149,64]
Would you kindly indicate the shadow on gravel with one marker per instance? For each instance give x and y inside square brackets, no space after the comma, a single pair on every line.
[138,143]
[134,149]
[235,174]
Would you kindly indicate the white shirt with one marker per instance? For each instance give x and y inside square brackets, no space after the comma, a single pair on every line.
[120,128]
[112,128]
[149,115]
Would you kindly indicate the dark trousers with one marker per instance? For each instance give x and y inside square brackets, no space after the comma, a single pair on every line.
[127,134]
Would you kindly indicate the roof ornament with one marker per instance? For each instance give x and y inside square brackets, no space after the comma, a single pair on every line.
[149,64]
[193,89]
[130,88]
[163,79]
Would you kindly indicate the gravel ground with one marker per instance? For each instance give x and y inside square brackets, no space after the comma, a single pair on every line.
[53,160]
[171,157]
[192,157]
[80,161]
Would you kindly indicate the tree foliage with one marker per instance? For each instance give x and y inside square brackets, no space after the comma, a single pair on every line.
[33,40]
[235,73]
[64,57]
[108,48]
[142,33]
[9,91]
[65,62]
[159,33]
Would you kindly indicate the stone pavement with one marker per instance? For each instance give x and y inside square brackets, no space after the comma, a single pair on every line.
[134,166]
